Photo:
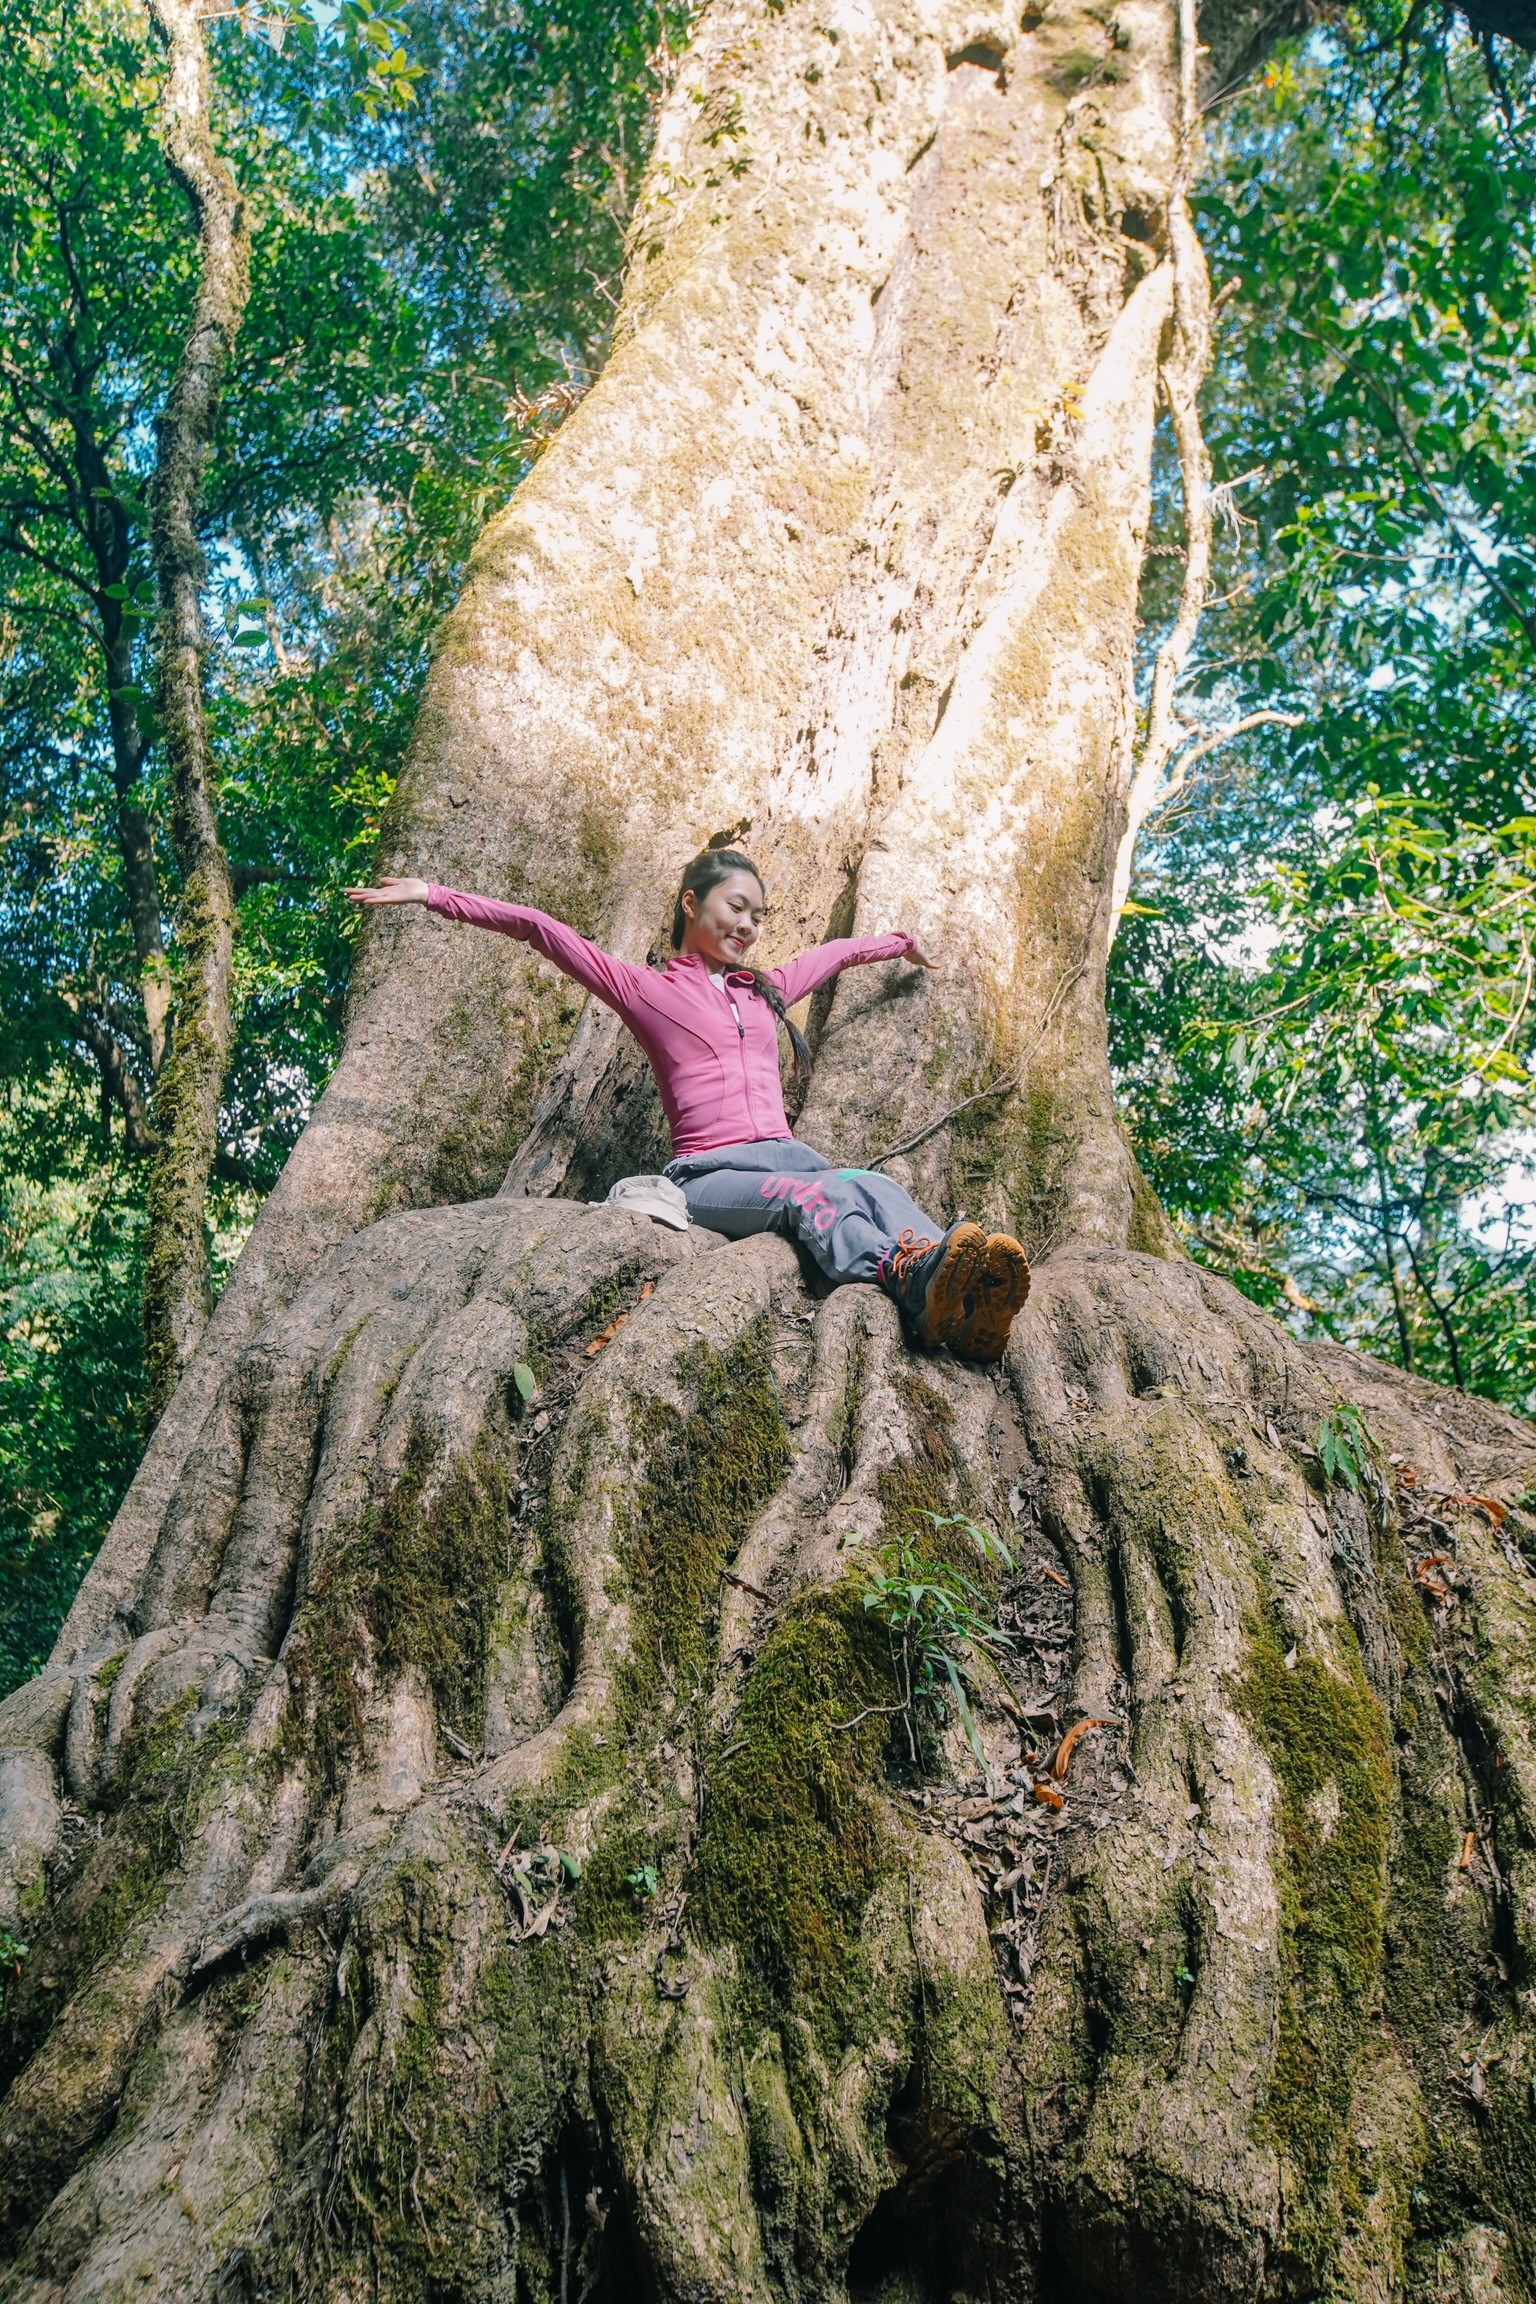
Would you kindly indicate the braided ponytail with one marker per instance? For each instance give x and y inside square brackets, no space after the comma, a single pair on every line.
[705,872]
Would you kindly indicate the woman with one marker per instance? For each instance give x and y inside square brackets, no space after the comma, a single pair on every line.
[709,1022]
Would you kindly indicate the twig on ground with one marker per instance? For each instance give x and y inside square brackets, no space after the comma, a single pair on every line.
[743,1584]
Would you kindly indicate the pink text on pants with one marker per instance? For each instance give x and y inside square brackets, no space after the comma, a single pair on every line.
[806,1193]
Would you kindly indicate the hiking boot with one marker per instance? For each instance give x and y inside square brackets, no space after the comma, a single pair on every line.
[935,1282]
[999,1295]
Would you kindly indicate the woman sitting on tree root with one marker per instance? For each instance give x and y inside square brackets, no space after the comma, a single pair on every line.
[708,1022]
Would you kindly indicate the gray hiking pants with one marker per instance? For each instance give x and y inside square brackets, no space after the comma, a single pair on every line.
[849,1218]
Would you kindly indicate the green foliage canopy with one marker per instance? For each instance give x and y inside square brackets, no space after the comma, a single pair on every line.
[1321,1009]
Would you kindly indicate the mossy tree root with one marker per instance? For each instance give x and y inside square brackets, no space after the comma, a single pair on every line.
[489,1860]
[1252,1984]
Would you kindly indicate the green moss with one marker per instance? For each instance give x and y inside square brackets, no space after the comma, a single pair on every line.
[414,1585]
[1419,1957]
[1028,1140]
[1509,2152]
[792,1843]
[178,1295]
[1151,1233]
[562,1588]
[440,2142]
[167,1787]
[1442,1991]
[929,1477]
[610,1909]
[708,1476]
[469,1159]
[709,1472]
[599,842]
[1326,1739]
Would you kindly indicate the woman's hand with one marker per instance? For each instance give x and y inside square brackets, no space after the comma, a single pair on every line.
[390,891]
[919,958]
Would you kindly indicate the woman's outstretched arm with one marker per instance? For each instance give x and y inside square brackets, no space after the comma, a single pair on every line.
[576,956]
[808,971]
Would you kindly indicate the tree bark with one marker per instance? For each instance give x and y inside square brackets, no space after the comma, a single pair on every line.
[473,1844]
[177,1297]
[108,535]
[119,1088]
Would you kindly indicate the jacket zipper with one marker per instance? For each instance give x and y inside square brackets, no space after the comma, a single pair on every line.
[741,1049]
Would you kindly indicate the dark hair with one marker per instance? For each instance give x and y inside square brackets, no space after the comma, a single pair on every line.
[707,871]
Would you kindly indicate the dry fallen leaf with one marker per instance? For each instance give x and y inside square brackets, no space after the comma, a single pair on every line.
[1056,1577]
[1069,1745]
[1468,1851]
[1048,1796]
[1459,1500]
[607,1335]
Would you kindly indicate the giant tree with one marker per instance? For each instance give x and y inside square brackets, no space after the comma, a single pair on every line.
[490,1827]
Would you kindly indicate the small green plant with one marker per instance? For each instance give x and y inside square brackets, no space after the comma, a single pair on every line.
[940,1622]
[643,1882]
[1348,1449]
[12,1954]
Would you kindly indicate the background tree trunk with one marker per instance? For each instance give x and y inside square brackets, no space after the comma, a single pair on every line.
[112,552]
[466,1841]
[177,1295]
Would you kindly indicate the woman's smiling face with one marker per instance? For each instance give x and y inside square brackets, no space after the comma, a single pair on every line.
[723,927]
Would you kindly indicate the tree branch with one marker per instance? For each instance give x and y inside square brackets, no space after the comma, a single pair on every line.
[18,541]
[244,877]
[1441,1313]
[1183,373]
[1000,1087]
[117,1078]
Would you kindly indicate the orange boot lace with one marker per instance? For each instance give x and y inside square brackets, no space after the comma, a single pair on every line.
[909,1249]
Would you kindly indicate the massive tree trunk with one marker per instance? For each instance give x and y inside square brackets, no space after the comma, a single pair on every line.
[472,1846]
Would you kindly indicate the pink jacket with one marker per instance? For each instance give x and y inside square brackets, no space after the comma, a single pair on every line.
[718,1070]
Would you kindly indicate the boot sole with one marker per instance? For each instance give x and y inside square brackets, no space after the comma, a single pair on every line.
[953,1292]
[1000,1298]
